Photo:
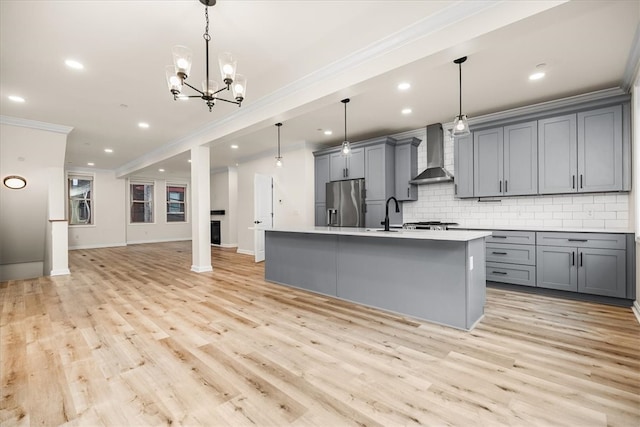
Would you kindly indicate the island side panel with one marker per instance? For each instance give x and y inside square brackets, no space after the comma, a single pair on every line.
[476,281]
[306,261]
[421,278]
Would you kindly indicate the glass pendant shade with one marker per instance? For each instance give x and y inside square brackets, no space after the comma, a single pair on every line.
[213,87]
[346,148]
[279,162]
[239,87]
[174,82]
[227,67]
[460,126]
[182,59]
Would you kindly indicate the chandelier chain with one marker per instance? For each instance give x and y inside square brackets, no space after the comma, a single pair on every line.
[206,35]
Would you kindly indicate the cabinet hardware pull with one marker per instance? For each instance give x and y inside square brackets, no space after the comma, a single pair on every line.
[499,237]
[578,240]
[500,184]
[499,253]
[573,181]
[408,191]
[573,258]
[347,172]
[498,272]
[505,186]
[580,259]
[455,188]
[581,186]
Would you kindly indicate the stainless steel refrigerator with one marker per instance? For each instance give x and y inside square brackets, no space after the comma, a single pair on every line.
[345,203]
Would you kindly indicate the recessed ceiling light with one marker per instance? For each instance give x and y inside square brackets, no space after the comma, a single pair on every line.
[404,86]
[16,98]
[406,111]
[234,146]
[328,132]
[91,164]
[74,64]
[160,170]
[143,125]
[537,75]
[108,150]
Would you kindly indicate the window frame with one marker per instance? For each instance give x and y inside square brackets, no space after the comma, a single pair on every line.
[150,202]
[91,199]
[183,202]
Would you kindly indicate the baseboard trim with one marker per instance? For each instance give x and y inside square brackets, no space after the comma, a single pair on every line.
[636,310]
[245,252]
[201,268]
[225,245]
[60,272]
[101,246]
[142,242]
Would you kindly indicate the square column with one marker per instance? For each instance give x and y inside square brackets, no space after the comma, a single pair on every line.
[200,210]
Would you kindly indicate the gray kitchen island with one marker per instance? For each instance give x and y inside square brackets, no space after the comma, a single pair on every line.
[437,276]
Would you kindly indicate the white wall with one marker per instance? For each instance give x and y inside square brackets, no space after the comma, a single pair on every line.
[224,189]
[293,204]
[437,202]
[160,230]
[36,155]
[109,212]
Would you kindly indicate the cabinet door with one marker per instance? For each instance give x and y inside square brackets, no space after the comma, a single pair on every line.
[557,155]
[602,272]
[355,164]
[321,215]
[488,162]
[337,167]
[406,168]
[600,149]
[375,178]
[463,165]
[521,159]
[374,214]
[321,177]
[557,268]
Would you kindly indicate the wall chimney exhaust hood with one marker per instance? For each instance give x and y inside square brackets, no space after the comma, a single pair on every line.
[435,171]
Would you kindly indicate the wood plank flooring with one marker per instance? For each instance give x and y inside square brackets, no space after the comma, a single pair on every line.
[132,337]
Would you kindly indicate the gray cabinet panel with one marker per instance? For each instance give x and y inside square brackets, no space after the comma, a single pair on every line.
[321,177]
[557,154]
[520,159]
[515,237]
[463,164]
[488,162]
[509,253]
[600,149]
[347,167]
[602,272]
[582,240]
[406,168]
[338,167]
[375,179]
[557,268]
[515,274]
[321,214]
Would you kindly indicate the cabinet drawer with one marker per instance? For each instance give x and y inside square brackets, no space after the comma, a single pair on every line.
[516,237]
[511,273]
[514,254]
[582,240]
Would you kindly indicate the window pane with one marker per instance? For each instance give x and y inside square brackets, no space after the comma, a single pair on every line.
[80,212]
[175,208]
[142,192]
[171,217]
[141,212]
[175,194]
[80,204]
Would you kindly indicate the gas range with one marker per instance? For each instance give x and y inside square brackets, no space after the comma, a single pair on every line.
[428,225]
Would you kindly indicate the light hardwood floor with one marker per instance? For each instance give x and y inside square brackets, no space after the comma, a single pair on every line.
[132,337]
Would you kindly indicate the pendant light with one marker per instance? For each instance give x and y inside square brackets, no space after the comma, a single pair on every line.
[460,123]
[279,157]
[346,145]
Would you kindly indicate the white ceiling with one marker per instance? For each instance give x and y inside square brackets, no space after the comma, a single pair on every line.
[301,58]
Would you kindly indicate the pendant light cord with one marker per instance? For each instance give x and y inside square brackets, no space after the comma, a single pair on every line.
[207,38]
[460,74]
[345,121]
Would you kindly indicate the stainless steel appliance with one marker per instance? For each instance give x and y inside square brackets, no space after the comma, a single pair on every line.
[435,171]
[428,225]
[345,203]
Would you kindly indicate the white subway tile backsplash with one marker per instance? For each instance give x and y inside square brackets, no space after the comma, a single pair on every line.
[593,223]
[604,215]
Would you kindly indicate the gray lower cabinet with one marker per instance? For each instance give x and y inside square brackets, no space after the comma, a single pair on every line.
[406,168]
[591,263]
[321,214]
[347,167]
[463,165]
[511,257]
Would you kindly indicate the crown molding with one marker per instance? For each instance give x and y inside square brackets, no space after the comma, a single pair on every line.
[633,63]
[33,124]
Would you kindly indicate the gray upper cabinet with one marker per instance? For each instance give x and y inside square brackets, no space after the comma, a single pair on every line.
[581,152]
[520,159]
[600,149]
[463,164]
[321,177]
[379,179]
[557,151]
[406,169]
[487,162]
[347,167]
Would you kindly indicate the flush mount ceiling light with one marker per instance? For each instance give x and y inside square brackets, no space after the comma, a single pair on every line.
[14,182]
[177,74]
[460,123]
[74,64]
[279,157]
[346,145]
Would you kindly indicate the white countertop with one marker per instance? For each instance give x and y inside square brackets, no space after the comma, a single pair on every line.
[451,235]
[550,229]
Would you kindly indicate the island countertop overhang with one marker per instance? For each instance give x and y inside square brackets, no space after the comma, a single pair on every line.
[447,235]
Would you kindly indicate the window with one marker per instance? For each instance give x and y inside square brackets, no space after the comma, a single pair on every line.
[80,200]
[176,203]
[141,202]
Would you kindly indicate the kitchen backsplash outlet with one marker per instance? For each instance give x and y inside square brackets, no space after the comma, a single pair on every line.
[437,202]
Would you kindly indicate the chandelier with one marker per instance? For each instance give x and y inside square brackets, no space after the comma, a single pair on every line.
[178,73]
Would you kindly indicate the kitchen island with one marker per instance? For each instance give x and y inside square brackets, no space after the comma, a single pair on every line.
[437,276]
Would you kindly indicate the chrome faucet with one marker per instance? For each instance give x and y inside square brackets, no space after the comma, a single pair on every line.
[386,212]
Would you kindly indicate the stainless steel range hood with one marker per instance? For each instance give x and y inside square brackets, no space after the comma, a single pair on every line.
[435,171]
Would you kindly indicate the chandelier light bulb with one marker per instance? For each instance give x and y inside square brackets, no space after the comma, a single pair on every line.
[227,69]
[279,162]
[460,125]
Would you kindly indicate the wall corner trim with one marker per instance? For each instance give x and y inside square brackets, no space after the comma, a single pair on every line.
[636,310]
[60,272]
[201,268]
[33,124]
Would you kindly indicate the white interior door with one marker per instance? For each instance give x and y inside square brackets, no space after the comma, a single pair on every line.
[263,212]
